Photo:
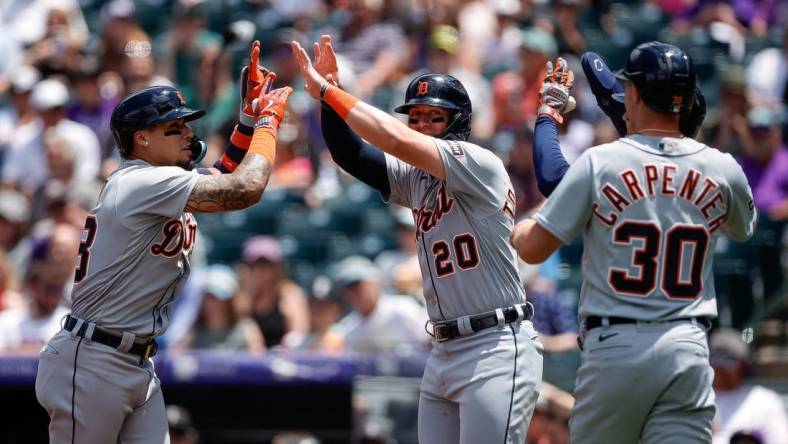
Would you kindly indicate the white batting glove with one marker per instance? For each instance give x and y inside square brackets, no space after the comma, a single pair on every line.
[554,97]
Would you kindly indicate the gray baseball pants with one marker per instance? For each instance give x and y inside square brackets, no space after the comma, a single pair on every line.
[97,394]
[647,382]
[481,388]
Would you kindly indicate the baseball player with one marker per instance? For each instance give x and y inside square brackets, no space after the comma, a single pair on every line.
[481,379]
[549,163]
[95,377]
[650,206]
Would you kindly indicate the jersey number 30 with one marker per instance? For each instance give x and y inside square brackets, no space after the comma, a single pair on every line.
[88,236]
[646,256]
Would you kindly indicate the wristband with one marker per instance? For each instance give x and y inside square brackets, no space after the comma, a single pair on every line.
[239,139]
[323,90]
[264,143]
[549,111]
[339,100]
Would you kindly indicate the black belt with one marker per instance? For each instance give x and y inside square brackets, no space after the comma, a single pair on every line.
[443,331]
[596,321]
[143,350]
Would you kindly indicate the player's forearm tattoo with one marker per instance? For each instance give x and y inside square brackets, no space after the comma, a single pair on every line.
[234,191]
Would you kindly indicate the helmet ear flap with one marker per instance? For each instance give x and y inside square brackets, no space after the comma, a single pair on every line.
[459,127]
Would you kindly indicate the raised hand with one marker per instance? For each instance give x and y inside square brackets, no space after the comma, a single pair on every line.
[326,60]
[270,105]
[554,97]
[253,77]
[314,81]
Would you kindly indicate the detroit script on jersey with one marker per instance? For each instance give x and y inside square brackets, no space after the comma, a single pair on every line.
[463,226]
[135,249]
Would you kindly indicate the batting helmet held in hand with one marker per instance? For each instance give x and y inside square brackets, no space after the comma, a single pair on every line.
[443,91]
[145,108]
[663,75]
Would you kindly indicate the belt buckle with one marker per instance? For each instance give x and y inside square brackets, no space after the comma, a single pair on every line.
[150,350]
[441,332]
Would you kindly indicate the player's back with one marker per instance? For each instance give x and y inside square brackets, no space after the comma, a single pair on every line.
[657,208]
[134,252]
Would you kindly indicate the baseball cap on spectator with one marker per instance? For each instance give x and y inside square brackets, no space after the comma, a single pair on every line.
[747,437]
[445,38]
[220,281]
[506,7]
[538,40]
[24,78]
[48,94]
[354,269]
[118,9]
[728,343]
[259,248]
[734,79]
[14,207]
[179,420]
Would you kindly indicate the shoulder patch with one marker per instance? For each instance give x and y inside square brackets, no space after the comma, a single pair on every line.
[456,148]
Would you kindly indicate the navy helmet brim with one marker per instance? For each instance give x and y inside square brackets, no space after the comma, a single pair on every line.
[432,101]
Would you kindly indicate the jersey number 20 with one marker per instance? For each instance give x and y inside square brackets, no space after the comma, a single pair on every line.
[88,236]
[645,259]
[465,252]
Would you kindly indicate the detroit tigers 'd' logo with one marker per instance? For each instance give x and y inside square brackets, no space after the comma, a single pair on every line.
[176,237]
[424,87]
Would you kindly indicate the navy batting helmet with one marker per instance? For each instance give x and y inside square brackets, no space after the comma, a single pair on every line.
[663,75]
[145,108]
[443,91]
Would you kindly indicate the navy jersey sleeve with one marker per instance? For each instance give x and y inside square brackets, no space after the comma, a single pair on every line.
[360,159]
[549,163]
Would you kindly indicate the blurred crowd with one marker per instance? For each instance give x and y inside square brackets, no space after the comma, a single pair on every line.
[321,263]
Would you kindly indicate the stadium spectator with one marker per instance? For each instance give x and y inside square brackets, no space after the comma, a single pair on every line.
[10,58]
[400,272]
[764,160]
[767,73]
[27,329]
[219,324]
[185,46]
[372,45]
[499,51]
[742,407]
[520,166]
[29,19]
[378,322]
[325,309]
[25,164]
[537,46]
[277,304]
[182,430]
[58,50]
[9,296]
[14,224]
[550,423]
[92,104]
[567,35]
[16,115]
[726,124]
[57,248]
[443,51]
[120,35]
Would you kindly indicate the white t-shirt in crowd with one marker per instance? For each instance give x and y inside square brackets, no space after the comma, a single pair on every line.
[750,409]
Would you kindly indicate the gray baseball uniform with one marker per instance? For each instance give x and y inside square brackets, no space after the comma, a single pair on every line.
[481,387]
[133,258]
[651,210]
